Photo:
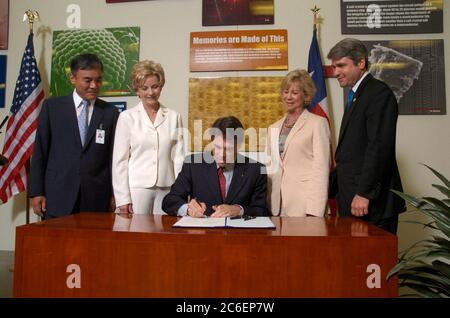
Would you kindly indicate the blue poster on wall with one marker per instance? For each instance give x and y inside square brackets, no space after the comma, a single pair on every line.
[121,106]
[2,80]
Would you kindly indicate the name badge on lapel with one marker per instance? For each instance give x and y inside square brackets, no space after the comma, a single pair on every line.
[100,135]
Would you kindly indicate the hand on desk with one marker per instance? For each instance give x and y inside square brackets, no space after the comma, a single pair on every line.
[39,205]
[225,210]
[126,208]
[196,209]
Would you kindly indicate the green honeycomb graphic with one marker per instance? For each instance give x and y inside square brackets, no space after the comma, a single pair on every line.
[118,48]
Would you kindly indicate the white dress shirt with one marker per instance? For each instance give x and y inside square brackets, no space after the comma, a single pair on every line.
[77,101]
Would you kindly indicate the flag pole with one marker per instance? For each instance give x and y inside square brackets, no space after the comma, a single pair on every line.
[315,12]
[316,22]
[32,16]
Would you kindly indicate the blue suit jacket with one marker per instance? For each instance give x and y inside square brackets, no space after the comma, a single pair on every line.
[198,179]
[61,168]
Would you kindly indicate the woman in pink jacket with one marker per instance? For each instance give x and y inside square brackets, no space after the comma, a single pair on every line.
[298,150]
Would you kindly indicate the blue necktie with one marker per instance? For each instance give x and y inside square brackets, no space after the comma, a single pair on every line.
[83,121]
[350,95]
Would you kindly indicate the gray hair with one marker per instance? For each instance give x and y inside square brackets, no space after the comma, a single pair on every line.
[352,48]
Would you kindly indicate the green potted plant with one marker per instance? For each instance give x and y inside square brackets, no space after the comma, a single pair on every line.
[424,267]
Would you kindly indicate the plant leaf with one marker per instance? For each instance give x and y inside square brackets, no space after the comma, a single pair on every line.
[430,280]
[441,206]
[425,225]
[424,267]
[422,290]
[427,283]
[445,191]
[408,198]
[442,221]
[442,242]
[429,256]
[442,267]
[440,176]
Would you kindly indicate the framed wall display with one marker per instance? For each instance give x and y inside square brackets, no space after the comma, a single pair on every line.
[414,70]
[391,17]
[117,1]
[232,12]
[4,24]
[248,50]
[121,106]
[255,101]
[2,80]
[118,48]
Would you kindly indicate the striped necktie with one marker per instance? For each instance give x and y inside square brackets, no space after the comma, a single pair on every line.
[83,120]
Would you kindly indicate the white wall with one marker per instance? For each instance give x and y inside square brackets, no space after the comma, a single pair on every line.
[165,27]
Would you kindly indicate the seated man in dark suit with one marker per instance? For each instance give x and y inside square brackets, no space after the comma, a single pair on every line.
[219,183]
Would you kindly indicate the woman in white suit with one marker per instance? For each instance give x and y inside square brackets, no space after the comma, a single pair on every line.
[298,150]
[148,146]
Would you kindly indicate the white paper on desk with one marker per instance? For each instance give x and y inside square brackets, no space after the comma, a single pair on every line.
[187,221]
[260,222]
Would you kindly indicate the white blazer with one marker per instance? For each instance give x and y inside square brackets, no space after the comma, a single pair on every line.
[298,181]
[146,154]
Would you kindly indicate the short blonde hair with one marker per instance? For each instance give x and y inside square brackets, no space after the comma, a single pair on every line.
[305,81]
[143,69]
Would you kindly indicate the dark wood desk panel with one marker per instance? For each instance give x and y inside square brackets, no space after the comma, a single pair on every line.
[144,256]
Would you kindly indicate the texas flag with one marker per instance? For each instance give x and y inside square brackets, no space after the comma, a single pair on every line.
[319,105]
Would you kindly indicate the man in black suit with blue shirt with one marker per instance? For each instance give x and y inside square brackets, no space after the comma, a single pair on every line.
[71,163]
[366,167]
[220,183]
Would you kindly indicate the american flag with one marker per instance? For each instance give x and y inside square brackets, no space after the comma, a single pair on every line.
[319,105]
[22,124]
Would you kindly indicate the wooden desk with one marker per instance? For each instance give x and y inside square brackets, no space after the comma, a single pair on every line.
[144,256]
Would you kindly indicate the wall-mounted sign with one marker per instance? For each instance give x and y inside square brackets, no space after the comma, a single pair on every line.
[414,70]
[255,101]
[118,48]
[239,50]
[4,24]
[116,1]
[2,80]
[232,12]
[391,17]
[121,106]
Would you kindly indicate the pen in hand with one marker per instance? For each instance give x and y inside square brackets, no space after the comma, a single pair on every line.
[196,209]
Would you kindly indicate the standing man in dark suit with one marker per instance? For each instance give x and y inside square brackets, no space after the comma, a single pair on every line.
[71,163]
[219,183]
[366,167]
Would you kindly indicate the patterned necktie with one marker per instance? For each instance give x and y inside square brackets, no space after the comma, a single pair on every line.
[350,95]
[222,183]
[83,121]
